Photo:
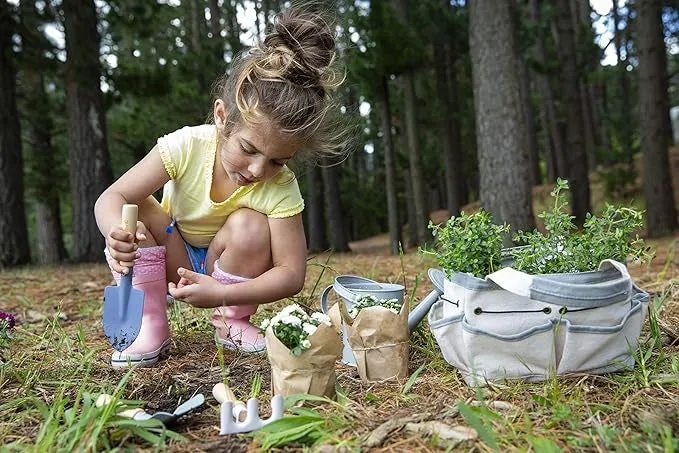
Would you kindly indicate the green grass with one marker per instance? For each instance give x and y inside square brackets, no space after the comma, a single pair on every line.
[51,372]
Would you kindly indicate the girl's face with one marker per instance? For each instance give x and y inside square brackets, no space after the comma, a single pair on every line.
[254,153]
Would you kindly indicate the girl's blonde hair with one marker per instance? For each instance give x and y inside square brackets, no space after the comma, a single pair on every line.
[289,80]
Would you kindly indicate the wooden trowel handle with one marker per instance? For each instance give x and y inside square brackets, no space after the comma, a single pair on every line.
[105,399]
[129,223]
[223,393]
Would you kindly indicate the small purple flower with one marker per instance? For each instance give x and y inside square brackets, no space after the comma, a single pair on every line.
[8,318]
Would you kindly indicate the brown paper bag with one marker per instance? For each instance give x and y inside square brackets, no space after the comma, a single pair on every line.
[312,372]
[379,339]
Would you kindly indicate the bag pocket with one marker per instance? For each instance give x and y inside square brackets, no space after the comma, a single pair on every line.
[445,322]
[529,354]
[600,349]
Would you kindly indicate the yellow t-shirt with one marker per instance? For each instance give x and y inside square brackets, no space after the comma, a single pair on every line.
[188,156]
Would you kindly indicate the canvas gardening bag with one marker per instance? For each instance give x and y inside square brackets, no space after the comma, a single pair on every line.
[516,325]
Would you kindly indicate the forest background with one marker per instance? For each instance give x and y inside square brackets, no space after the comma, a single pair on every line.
[449,104]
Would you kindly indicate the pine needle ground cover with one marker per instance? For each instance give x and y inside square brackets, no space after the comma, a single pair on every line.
[56,361]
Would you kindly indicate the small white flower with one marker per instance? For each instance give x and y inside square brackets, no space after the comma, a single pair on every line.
[309,328]
[321,318]
[291,320]
[306,344]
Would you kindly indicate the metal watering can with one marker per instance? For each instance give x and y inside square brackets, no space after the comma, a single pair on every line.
[351,287]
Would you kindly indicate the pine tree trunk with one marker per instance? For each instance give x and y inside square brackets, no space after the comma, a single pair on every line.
[14,247]
[451,154]
[315,207]
[216,29]
[418,185]
[44,166]
[389,166]
[500,125]
[529,116]
[337,233]
[233,35]
[623,87]
[661,215]
[90,163]
[577,157]
[410,210]
[558,156]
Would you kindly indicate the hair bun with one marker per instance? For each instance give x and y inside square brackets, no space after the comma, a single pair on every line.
[308,38]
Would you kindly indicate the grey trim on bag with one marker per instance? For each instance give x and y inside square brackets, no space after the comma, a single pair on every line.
[636,306]
[575,289]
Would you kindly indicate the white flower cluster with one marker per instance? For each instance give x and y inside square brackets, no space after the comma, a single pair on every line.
[362,302]
[293,327]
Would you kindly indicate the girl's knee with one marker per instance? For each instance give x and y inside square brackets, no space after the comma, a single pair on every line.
[247,230]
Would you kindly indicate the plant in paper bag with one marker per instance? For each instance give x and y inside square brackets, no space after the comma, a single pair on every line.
[302,350]
[377,331]
[293,326]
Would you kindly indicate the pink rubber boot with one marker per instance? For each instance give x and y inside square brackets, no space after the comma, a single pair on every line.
[232,323]
[154,335]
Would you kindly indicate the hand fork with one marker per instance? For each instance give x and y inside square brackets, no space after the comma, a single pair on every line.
[235,417]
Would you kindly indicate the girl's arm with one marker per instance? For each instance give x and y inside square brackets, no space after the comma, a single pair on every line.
[285,279]
[134,186]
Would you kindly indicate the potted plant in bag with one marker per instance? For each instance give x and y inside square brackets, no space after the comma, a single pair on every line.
[302,350]
[561,302]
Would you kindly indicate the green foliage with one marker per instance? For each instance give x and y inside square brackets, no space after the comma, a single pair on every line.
[470,243]
[309,427]
[79,425]
[566,249]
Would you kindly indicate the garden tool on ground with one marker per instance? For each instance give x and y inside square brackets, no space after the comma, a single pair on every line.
[236,417]
[166,418]
[123,304]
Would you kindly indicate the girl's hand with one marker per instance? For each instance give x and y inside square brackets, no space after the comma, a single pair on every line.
[199,290]
[123,246]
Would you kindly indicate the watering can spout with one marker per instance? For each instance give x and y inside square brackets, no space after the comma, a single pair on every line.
[420,311]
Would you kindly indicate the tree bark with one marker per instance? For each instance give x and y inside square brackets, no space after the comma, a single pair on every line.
[500,125]
[389,166]
[90,162]
[417,181]
[14,247]
[558,156]
[43,164]
[451,153]
[529,115]
[623,87]
[661,215]
[315,207]
[44,167]
[337,232]
[577,157]
[216,28]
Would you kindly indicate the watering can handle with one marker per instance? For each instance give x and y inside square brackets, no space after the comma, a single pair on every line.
[129,218]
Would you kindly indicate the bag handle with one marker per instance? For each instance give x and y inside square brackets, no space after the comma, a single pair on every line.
[519,283]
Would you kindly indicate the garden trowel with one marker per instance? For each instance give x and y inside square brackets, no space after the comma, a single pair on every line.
[123,304]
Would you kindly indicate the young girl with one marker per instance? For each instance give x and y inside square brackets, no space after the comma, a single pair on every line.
[228,232]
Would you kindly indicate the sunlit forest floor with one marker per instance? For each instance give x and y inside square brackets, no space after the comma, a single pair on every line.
[58,355]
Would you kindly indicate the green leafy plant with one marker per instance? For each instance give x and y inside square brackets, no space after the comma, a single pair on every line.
[565,248]
[469,243]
